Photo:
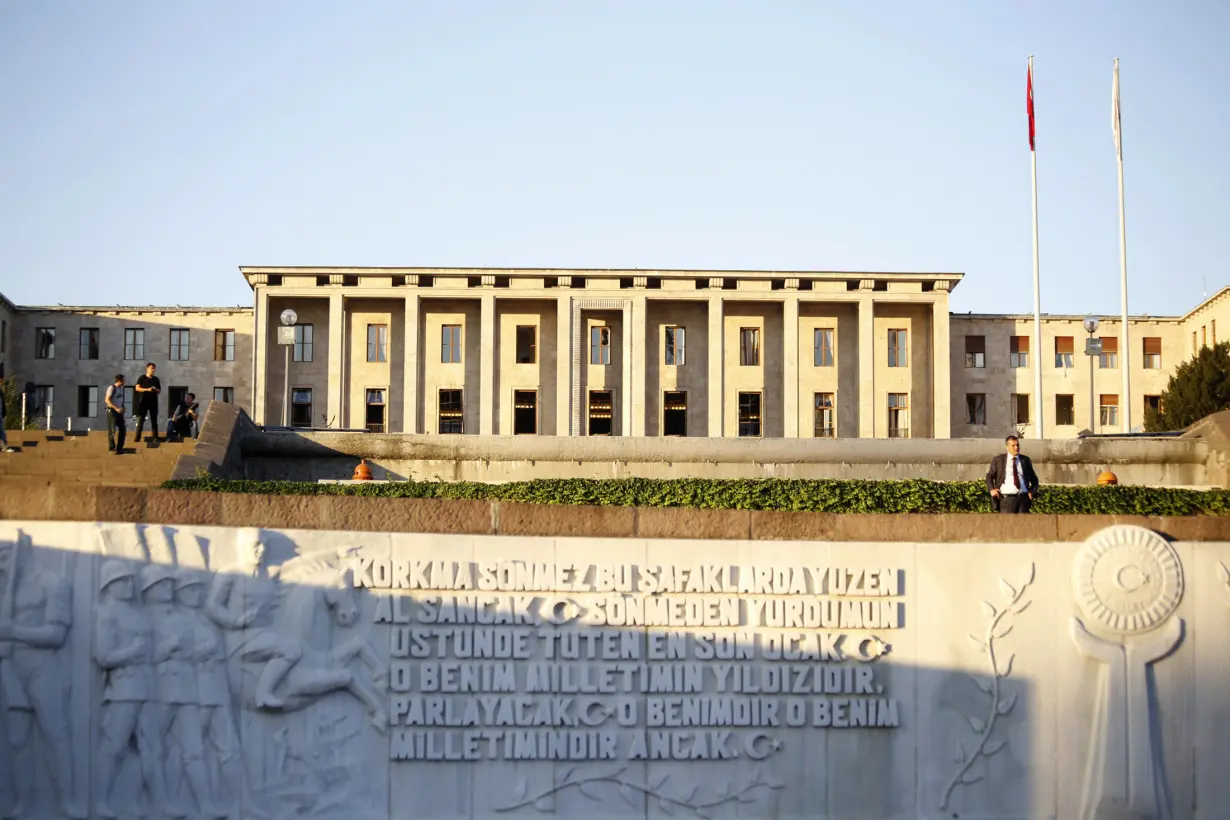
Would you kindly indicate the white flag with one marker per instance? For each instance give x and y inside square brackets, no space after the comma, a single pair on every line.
[1114,112]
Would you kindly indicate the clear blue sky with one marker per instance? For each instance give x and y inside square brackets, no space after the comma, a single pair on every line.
[148,149]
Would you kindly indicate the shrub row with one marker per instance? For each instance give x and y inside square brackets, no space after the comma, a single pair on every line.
[825,495]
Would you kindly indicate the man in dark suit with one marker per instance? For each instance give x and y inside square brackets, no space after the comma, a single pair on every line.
[1012,480]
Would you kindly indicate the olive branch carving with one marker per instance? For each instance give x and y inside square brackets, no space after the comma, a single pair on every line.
[633,792]
[998,628]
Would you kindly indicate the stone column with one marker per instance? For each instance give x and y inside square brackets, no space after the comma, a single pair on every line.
[636,393]
[625,379]
[941,363]
[866,368]
[716,366]
[260,354]
[790,366]
[563,365]
[336,402]
[410,367]
[486,373]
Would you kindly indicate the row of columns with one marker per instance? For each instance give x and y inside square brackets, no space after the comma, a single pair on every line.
[571,346]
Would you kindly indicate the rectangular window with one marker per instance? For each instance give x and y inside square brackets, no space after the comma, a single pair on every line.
[174,396]
[1065,410]
[224,346]
[378,343]
[1153,352]
[976,408]
[450,344]
[601,409]
[600,345]
[451,419]
[1194,348]
[749,414]
[898,415]
[674,347]
[1018,351]
[130,398]
[525,412]
[375,410]
[179,344]
[749,347]
[303,345]
[301,403]
[1108,403]
[134,343]
[44,397]
[527,344]
[1020,408]
[1213,331]
[898,352]
[1204,336]
[87,401]
[975,351]
[826,416]
[45,343]
[1153,404]
[226,394]
[87,343]
[823,354]
[1109,360]
[675,413]
[1063,351]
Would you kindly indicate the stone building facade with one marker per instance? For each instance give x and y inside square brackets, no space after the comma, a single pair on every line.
[613,352]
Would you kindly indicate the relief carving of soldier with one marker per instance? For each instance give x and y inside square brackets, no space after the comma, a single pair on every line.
[123,647]
[175,692]
[208,653]
[35,618]
[244,598]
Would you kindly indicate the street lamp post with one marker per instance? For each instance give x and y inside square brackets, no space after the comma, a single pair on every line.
[1093,347]
[286,338]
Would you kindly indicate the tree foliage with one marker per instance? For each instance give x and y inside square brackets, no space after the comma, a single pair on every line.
[12,404]
[1198,387]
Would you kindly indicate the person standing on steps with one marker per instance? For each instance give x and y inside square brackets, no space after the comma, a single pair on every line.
[149,388]
[114,399]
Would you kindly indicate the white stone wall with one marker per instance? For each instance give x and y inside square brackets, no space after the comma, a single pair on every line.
[157,670]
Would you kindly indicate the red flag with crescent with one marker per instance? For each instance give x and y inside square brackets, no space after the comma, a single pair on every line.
[1029,103]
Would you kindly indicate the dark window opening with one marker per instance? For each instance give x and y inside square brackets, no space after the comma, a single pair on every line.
[525,412]
[675,413]
[749,414]
[87,401]
[452,419]
[1065,410]
[601,412]
[375,411]
[301,407]
[527,344]
[89,343]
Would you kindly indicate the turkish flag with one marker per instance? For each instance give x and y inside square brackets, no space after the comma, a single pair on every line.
[1029,103]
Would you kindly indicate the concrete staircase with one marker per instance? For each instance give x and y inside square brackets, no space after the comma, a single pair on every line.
[45,457]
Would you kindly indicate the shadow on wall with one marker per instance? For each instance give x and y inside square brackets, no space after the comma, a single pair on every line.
[220,672]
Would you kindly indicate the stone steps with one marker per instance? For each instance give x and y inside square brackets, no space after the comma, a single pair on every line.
[83,458]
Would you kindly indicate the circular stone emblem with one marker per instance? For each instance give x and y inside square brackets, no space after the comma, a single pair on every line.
[1128,579]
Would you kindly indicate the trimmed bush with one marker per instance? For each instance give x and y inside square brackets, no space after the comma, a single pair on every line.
[824,495]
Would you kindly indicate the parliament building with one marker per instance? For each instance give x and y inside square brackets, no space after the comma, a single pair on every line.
[481,351]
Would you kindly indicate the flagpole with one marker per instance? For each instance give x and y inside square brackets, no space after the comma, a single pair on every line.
[1039,405]
[1124,342]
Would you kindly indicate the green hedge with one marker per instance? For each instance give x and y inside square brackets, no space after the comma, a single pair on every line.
[825,495]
